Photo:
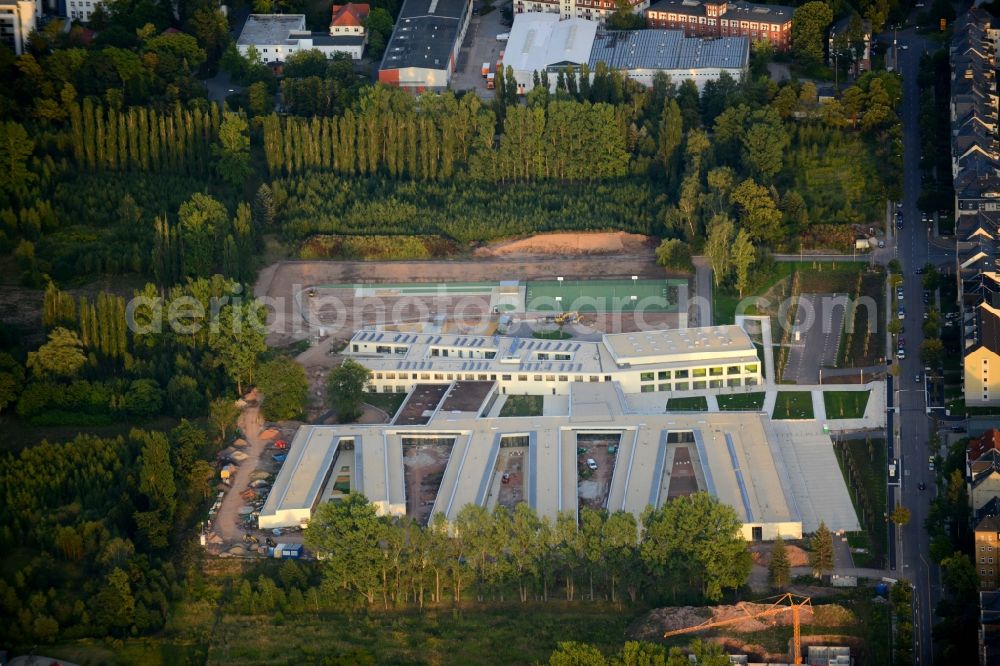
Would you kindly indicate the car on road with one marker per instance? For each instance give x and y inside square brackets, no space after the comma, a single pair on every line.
[901,353]
[958,428]
[901,313]
[592,464]
[892,469]
[930,463]
[902,342]
[918,378]
[899,293]
[920,271]
[899,222]
[921,486]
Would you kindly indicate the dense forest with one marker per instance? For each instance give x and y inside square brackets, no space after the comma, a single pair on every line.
[88,123]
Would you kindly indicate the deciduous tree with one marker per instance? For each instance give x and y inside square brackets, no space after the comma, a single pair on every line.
[344,390]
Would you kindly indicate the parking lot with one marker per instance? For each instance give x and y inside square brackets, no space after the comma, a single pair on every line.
[480,46]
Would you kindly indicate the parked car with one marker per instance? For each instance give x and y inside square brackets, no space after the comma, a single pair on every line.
[918,378]
[901,313]
[591,464]
[279,457]
[930,463]
[901,353]
[505,478]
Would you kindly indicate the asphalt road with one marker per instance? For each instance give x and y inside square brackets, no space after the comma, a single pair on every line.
[913,249]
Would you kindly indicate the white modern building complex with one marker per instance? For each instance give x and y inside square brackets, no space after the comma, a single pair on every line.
[277,36]
[676,360]
[17,21]
[777,483]
[775,475]
[541,42]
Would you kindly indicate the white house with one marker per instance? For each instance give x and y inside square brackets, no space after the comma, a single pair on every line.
[277,36]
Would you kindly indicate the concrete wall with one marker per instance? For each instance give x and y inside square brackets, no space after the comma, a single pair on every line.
[982,378]
[771,531]
[516,382]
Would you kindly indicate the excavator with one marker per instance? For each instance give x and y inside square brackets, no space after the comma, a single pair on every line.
[775,607]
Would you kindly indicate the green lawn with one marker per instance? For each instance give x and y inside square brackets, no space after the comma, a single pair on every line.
[793,405]
[696,403]
[845,404]
[864,467]
[741,402]
[522,405]
[557,334]
[387,402]
[490,634]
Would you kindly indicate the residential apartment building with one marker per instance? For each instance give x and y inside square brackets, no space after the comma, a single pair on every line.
[982,355]
[17,21]
[989,628]
[975,159]
[80,10]
[984,484]
[668,361]
[724,19]
[851,38]
[591,10]
[987,552]
[277,36]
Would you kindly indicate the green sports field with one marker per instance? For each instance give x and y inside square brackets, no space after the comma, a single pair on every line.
[602,295]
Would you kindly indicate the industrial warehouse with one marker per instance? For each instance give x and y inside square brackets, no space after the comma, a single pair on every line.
[541,42]
[775,475]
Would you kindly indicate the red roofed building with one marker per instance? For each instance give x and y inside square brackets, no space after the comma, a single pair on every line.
[980,445]
[348,19]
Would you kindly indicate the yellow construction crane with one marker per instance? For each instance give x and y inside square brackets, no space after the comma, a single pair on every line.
[795,602]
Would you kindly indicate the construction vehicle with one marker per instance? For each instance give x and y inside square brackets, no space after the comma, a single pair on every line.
[486,69]
[565,318]
[795,603]
[491,81]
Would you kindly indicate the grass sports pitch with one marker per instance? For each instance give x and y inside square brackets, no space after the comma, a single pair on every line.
[602,295]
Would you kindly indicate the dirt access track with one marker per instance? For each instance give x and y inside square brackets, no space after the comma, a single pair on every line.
[283,283]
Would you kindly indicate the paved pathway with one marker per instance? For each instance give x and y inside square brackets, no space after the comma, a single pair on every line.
[770,396]
[819,406]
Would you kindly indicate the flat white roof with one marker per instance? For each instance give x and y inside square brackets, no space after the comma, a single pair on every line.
[539,39]
[661,349]
[768,472]
[678,344]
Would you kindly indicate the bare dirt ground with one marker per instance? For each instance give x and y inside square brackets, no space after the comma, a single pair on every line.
[797,557]
[593,492]
[653,624]
[682,479]
[512,462]
[424,466]
[284,285]
[250,423]
[617,242]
